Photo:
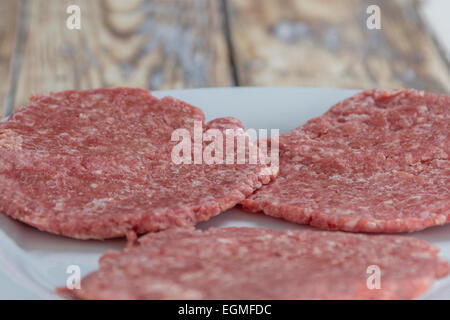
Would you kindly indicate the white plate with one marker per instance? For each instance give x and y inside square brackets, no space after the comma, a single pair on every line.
[33,263]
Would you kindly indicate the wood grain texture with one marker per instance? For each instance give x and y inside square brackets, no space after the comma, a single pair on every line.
[157,44]
[9,30]
[327,44]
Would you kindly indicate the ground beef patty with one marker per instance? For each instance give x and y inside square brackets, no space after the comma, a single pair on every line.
[253,263]
[376,162]
[97,164]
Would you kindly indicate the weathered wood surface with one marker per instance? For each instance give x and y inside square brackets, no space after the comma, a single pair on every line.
[167,44]
[9,34]
[327,44]
[148,44]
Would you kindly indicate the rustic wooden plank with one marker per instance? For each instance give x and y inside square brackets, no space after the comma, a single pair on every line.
[148,44]
[327,44]
[9,32]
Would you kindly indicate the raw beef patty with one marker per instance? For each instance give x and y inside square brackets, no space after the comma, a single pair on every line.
[97,164]
[247,263]
[376,162]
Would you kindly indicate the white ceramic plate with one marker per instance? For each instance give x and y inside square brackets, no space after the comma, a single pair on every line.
[33,263]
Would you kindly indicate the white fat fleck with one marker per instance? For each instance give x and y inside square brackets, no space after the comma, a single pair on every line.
[264,237]
[223,240]
[99,204]
[346,212]
[351,224]
[98,171]
[125,168]
[371,224]
[83,116]
[425,214]
[97,96]
[10,140]
[190,276]
[421,255]
[423,109]
[196,183]
[59,206]
[331,244]
[94,185]
[409,157]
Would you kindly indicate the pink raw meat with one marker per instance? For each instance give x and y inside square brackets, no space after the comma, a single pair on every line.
[97,164]
[376,162]
[253,263]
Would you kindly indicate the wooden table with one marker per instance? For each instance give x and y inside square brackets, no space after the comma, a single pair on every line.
[168,44]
